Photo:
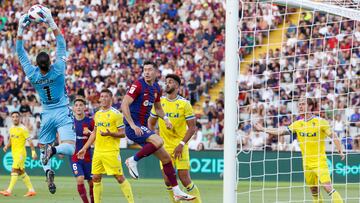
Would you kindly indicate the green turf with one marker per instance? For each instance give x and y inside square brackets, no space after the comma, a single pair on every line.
[152,191]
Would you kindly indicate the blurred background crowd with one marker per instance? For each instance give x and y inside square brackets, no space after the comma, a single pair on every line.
[107,41]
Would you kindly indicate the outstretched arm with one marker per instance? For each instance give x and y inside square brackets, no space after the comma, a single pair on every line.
[337,143]
[20,50]
[272,131]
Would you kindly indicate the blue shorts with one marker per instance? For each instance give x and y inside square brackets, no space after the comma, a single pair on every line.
[141,140]
[81,168]
[56,120]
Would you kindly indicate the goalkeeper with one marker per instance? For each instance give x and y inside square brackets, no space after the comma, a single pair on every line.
[49,81]
[311,133]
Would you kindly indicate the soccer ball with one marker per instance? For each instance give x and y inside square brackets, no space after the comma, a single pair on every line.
[37,13]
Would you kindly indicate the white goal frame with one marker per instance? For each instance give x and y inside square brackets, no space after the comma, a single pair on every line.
[232,37]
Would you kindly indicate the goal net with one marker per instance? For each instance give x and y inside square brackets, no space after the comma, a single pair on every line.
[290,50]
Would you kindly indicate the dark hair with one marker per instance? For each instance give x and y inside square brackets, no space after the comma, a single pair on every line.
[43,61]
[80,99]
[174,77]
[149,63]
[15,112]
[106,91]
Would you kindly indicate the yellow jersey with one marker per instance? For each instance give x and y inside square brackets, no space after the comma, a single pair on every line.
[178,111]
[311,135]
[18,136]
[110,119]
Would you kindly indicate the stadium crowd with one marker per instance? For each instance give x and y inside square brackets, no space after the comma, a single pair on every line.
[319,58]
[107,41]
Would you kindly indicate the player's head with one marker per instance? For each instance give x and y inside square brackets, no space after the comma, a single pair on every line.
[43,61]
[79,106]
[106,98]
[15,116]
[172,82]
[306,105]
[149,71]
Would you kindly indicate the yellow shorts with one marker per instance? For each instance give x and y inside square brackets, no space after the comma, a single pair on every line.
[315,174]
[19,161]
[182,163]
[106,163]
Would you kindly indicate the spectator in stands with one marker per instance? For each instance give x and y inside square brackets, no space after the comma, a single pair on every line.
[347,141]
[339,126]
[257,140]
[4,111]
[355,118]
[208,134]
[14,105]
[25,108]
[197,138]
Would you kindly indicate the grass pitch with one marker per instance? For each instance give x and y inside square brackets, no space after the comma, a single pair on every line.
[153,191]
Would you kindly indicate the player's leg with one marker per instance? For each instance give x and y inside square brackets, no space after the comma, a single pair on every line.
[26,179]
[183,166]
[88,177]
[312,181]
[149,141]
[91,190]
[125,188]
[113,166]
[97,169]
[325,180]
[47,136]
[169,171]
[98,188]
[13,179]
[168,186]
[78,171]
[65,127]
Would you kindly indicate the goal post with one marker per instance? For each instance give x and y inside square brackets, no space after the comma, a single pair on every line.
[268,175]
[231,92]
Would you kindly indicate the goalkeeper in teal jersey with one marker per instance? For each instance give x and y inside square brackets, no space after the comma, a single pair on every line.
[49,81]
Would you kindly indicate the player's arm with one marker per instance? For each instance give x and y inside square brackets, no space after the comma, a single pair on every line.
[161,114]
[337,143]
[125,107]
[20,50]
[119,134]
[273,131]
[60,63]
[6,147]
[191,124]
[32,147]
[91,140]
[152,122]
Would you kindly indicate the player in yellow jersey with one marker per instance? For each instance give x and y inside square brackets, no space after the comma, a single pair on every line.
[109,128]
[18,137]
[181,115]
[311,132]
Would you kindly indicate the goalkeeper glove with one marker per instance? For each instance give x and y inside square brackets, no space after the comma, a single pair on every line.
[24,21]
[49,19]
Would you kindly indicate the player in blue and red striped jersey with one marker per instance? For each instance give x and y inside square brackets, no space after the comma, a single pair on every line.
[82,167]
[136,106]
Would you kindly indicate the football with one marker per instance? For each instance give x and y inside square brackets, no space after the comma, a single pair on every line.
[37,13]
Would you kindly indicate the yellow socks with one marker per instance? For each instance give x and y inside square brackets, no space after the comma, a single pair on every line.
[317,198]
[27,182]
[98,188]
[194,191]
[335,196]
[126,189]
[13,179]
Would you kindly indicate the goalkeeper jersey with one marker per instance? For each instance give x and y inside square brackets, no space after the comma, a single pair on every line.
[51,86]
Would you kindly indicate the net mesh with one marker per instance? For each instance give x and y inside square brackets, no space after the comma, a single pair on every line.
[288,53]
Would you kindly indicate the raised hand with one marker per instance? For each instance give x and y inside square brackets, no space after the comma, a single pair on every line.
[24,21]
